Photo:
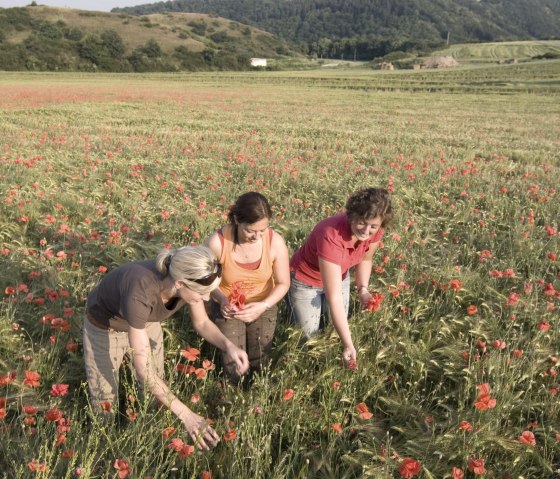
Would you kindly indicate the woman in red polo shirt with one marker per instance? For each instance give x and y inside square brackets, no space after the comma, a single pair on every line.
[320,280]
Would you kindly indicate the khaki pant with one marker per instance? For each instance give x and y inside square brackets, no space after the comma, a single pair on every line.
[255,338]
[104,351]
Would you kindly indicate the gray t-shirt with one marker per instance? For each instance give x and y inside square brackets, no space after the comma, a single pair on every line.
[131,295]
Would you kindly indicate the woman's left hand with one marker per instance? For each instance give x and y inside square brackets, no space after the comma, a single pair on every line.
[250,312]
[364,296]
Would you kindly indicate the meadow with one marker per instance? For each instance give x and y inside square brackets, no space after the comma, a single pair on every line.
[457,373]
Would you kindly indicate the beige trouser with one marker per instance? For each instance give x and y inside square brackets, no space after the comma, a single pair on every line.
[104,351]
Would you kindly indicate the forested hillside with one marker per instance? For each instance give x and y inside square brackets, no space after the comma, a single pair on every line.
[365,29]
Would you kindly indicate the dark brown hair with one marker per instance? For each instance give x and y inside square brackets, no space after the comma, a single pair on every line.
[249,208]
[370,203]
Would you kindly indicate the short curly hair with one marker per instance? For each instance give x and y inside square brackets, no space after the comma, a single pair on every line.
[370,203]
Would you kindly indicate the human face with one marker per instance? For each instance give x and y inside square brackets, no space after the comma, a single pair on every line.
[251,232]
[364,229]
[189,296]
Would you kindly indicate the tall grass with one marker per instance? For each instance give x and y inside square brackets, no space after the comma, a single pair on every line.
[97,171]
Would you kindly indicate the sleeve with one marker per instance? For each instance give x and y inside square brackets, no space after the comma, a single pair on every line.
[135,302]
[330,247]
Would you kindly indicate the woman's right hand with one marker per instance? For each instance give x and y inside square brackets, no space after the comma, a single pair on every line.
[203,435]
[349,356]
[227,310]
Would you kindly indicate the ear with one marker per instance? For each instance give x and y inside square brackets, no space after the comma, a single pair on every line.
[178,284]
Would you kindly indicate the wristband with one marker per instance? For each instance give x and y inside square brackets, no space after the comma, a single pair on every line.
[266,305]
[358,289]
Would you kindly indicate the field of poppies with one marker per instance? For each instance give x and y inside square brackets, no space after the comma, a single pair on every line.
[457,372]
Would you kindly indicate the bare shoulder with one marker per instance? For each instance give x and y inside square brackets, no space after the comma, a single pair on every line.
[214,243]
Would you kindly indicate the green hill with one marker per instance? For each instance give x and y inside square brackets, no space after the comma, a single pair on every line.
[45,38]
[365,29]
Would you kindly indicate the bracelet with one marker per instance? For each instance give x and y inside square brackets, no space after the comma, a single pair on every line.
[358,289]
[266,305]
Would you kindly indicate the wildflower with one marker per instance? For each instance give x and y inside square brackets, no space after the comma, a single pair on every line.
[257,410]
[457,473]
[552,256]
[168,431]
[409,468]
[498,344]
[6,379]
[513,299]
[195,398]
[472,309]
[206,475]
[131,414]
[374,302]
[543,326]
[237,296]
[30,410]
[364,411]
[517,353]
[53,414]
[105,406]
[209,365]
[336,385]
[337,427]
[186,450]
[476,466]
[32,379]
[528,438]
[288,394]
[455,285]
[230,435]
[37,466]
[176,444]
[59,389]
[352,364]
[465,426]
[122,467]
[191,354]
[484,401]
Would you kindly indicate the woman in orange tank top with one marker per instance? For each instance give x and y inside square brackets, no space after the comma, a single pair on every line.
[255,277]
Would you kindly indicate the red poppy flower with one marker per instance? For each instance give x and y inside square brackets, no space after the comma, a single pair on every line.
[472,309]
[3,413]
[457,473]
[466,426]
[186,450]
[30,410]
[288,394]
[59,389]
[176,444]
[409,468]
[191,354]
[105,406]
[206,475]
[230,435]
[122,467]
[53,414]
[200,373]
[67,453]
[337,427]
[6,379]
[484,401]
[37,466]
[455,285]
[476,466]
[336,385]
[374,302]
[32,379]
[352,364]
[207,364]
[168,431]
[195,398]
[237,297]
[364,411]
[528,438]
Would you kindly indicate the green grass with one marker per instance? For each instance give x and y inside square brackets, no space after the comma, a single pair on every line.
[473,158]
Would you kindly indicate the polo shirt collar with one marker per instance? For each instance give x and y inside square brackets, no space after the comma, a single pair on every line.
[346,232]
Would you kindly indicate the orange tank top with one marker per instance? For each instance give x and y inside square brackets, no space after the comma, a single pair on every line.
[257,283]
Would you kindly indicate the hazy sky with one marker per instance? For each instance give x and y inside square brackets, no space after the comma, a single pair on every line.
[100,5]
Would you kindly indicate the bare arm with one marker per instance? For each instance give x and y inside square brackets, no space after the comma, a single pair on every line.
[214,243]
[331,276]
[202,434]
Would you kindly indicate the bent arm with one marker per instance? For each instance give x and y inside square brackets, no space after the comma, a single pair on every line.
[362,273]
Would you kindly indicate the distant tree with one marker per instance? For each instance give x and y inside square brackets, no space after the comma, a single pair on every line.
[151,49]
[113,43]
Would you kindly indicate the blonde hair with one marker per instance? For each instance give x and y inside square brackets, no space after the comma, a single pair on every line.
[189,263]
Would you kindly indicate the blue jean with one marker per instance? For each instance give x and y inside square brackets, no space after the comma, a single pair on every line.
[309,305]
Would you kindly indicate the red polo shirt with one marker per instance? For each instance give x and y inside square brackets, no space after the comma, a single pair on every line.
[331,239]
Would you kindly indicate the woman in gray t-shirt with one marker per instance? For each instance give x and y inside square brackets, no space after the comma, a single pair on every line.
[124,314]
